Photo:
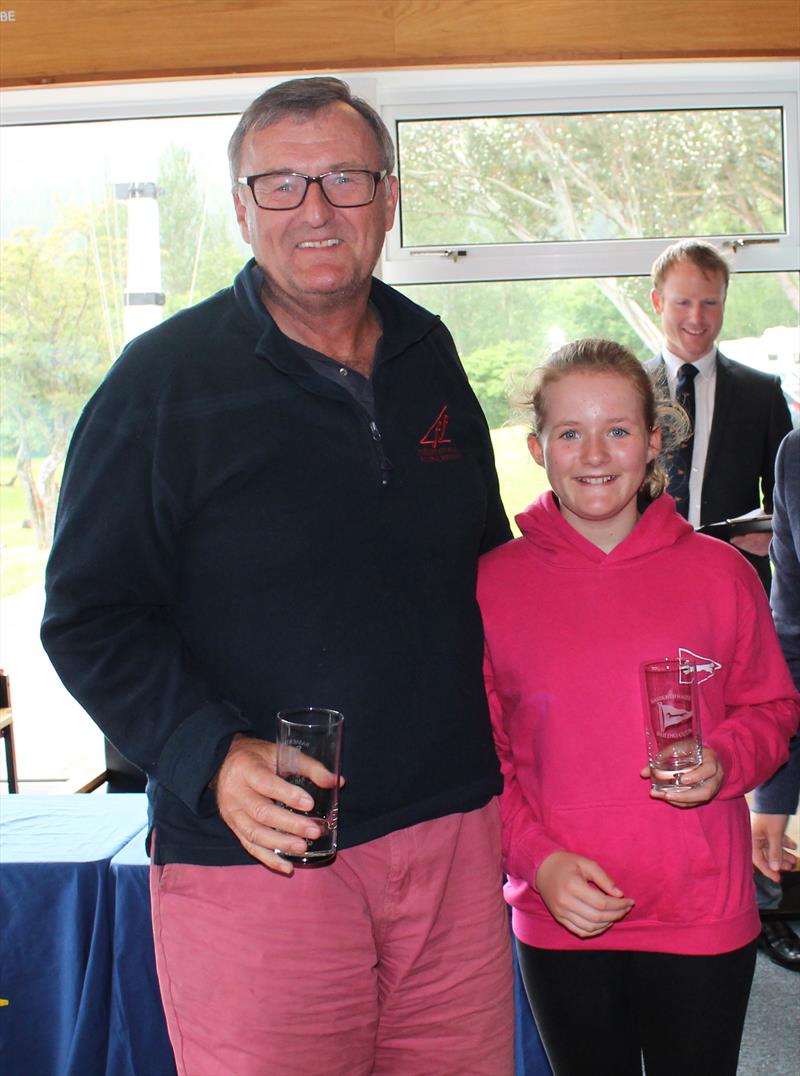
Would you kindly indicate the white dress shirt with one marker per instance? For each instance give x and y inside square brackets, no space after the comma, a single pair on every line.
[704,387]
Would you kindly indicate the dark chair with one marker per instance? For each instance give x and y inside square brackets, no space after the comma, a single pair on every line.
[120,775]
[7,732]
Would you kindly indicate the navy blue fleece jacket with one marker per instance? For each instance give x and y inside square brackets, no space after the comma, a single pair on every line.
[236,535]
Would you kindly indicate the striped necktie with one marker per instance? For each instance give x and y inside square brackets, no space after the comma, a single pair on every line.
[680,464]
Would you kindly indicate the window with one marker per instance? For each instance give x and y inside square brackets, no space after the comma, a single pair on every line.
[572,173]
[591,176]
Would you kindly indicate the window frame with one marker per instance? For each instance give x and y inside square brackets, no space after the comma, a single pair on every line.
[679,87]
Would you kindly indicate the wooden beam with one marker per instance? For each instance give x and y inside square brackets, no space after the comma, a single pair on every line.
[45,42]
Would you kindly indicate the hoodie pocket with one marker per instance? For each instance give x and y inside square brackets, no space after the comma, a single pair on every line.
[657,855]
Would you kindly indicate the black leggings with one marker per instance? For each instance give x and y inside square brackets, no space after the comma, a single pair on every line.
[598,1012]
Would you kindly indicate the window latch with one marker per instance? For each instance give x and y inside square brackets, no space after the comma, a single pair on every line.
[735,244]
[452,254]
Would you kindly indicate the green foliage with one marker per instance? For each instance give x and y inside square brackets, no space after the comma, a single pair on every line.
[507,327]
[61,325]
[60,330]
[179,203]
[588,176]
[759,300]
[491,371]
[198,252]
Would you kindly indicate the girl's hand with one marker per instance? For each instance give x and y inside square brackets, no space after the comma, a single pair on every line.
[580,895]
[697,786]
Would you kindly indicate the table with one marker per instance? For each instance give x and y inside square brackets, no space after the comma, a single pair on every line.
[56,911]
[138,1044]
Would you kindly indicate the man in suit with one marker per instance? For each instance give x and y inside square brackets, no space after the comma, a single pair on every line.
[739,415]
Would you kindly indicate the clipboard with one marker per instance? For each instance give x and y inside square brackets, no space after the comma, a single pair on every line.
[755,522]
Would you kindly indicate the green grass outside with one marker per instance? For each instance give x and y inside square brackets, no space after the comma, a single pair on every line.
[521,480]
[22,564]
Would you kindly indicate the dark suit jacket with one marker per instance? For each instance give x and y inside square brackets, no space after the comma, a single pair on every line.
[751,418]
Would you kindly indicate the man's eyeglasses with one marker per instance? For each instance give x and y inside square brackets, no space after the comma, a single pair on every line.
[347,189]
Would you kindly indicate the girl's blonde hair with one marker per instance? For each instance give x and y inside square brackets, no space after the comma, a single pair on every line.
[606,356]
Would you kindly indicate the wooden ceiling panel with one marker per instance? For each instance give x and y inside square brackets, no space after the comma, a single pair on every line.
[62,41]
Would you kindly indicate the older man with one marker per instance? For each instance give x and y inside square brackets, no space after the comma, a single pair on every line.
[277,498]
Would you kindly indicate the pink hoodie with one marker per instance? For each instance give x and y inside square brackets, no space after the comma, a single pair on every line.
[567,627]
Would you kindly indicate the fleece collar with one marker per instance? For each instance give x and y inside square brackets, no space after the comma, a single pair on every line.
[404,322]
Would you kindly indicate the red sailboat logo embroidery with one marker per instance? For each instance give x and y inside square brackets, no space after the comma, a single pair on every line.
[435,446]
[436,434]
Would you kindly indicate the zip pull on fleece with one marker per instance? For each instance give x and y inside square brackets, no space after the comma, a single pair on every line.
[386,467]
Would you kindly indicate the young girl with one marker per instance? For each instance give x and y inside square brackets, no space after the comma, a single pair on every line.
[633,909]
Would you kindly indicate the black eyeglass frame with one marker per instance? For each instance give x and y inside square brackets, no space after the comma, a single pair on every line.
[377,177]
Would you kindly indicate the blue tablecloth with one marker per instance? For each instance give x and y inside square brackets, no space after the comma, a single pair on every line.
[57,920]
[138,1044]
